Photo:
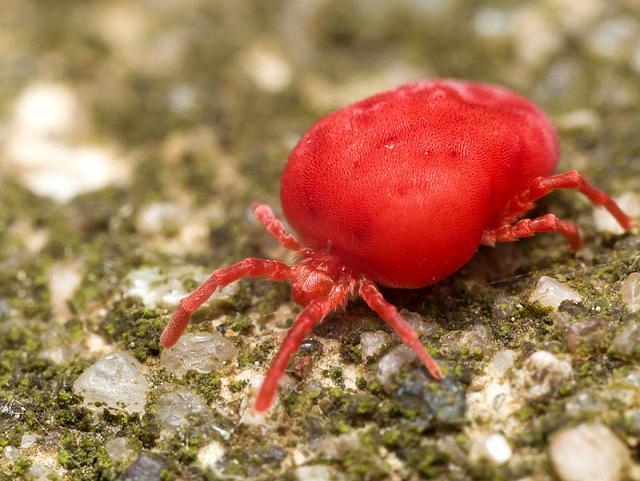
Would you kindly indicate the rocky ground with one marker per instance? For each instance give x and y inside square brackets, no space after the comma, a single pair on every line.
[134,135]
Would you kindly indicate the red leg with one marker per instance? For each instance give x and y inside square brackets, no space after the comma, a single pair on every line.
[304,324]
[274,270]
[529,227]
[389,314]
[567,180]
[274,227]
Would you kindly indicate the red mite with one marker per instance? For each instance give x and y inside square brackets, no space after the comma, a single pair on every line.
[400,189]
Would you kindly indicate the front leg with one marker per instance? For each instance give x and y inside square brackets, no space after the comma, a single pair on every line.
[250,267]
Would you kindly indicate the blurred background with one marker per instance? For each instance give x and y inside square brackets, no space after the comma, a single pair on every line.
[134,135]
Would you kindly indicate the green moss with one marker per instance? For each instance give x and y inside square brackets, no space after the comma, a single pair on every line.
[238,386]
[205,384]
[21,466]
[136,327]
[84,457]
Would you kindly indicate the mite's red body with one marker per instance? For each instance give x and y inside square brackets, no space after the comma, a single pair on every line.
[401,189]
[404,183]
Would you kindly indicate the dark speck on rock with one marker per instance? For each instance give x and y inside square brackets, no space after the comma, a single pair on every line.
[310,346]
[146,468]
[270,455]
[444,404]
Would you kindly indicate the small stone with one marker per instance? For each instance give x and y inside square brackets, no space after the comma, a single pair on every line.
[391,363]
[614,38]
[493,23]
[551,293]
[627,343]
[160,217]
[583,120]
[372,343]
[10,453]
[209,455]
[475,341]
[535,37]
[586,334]
[630,291]
[46,109]
[155,286]
[56,354]
[177,409]
[501,363]
[424,327]
[115,381]
[268,69]
[317,472]
[493,448]
[605,222]
[442,403]
[63,279]
[28,440]
[40,472]
[148,467]
[545,373]
[43,148]
[585,403]
[202,352]
[588,452]
[120,450]
[331,447]
[310,346]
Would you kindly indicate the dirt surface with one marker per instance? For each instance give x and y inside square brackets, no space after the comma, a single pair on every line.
[135,135]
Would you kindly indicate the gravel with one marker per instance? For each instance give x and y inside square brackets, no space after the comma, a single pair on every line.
[588,452]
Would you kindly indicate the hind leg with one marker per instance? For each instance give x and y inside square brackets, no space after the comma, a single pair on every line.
[529,227]
[572,179]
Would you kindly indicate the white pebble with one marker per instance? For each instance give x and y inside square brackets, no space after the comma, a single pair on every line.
[493,23]
[630,291]
[551,293]
[155,286]
[626,342]
[209,455]
[605,222]
[317,472]
[158,216]
[46,109]
[535,37]
[11,453]
[120,450]
[422,326]
[501,363]
[115,381]
[588,452]
[392,362]
[28,440]
[46,150]
[614,38]
[371,343]
[267,68]
[202,352]
[178,408]
[580,120]
[493,448]
[546,372]
[63,279]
